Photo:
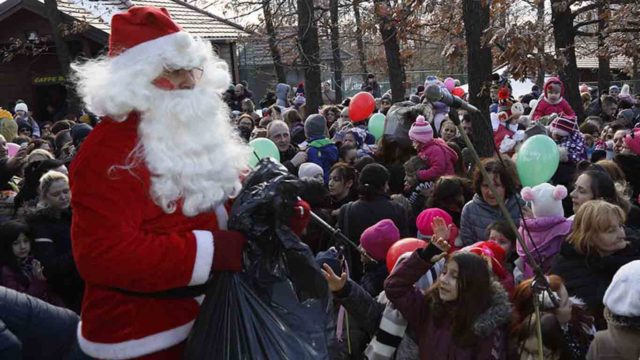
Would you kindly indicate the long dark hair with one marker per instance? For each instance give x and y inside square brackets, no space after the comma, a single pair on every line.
[474,297]
[447,191]
[495,166]
[9,232]
[347,173]
[602,187]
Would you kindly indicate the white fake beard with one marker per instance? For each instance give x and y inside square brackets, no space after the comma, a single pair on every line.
[191,150]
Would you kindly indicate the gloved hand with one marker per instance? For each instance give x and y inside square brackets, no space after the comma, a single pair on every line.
[228,246]
[301,217]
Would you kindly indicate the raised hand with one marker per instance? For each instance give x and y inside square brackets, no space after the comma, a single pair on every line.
[335,283]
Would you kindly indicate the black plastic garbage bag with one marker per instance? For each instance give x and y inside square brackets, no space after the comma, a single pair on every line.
[277,308]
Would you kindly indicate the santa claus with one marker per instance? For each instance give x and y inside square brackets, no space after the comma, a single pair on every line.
[149,186]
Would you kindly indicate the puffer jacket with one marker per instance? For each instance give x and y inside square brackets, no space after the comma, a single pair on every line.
[588,276]
[477,215]
[547,235]
[441,159]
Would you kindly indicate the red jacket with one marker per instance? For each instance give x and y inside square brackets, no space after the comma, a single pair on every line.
[121,239]
[545,108]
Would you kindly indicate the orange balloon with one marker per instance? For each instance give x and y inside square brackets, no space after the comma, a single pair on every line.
[361,106]
[402,247]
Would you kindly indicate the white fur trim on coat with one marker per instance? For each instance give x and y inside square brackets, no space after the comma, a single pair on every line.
[137,347]
[204,257]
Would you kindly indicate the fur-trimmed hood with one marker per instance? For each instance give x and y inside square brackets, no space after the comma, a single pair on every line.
[498,314]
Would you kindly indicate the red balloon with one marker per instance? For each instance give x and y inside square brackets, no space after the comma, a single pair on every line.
[361,106]
[459,92]
[402,247]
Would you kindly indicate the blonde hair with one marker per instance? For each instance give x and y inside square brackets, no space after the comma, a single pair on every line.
[593,218]
[48,179]
[39,155]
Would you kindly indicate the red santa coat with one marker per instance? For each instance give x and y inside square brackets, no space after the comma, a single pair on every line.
[121,239]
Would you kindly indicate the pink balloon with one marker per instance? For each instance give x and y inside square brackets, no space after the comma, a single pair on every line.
[450,84]
[12,149]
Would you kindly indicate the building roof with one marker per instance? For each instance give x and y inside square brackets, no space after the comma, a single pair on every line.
[98,13]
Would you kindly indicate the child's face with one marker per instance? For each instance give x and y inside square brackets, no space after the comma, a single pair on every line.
[349,139]
[553,93]
[501,240]
[21,247]
[556,137]
[410,180]
[416,145]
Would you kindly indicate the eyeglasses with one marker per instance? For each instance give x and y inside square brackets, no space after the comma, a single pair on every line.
[196,73]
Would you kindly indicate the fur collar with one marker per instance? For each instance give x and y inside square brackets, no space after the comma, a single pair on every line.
[497,315]
[622,321]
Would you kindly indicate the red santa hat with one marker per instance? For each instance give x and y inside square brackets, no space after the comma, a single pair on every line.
[146,32]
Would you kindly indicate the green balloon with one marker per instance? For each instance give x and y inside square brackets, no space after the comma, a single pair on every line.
[262,148]
[537,160]
[376,125]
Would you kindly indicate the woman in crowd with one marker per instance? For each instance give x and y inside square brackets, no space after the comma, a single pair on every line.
[463,316]
[483,210]
[51,231]
[451,193]
[595,249]
[372,206]
[567,335]
[27,199]
[343,180]
[20,270]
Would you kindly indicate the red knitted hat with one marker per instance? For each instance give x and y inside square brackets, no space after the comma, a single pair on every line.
[139,25]
[493,251]
[564,125]
[632,140]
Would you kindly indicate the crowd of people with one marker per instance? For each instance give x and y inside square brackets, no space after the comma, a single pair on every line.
[437,273]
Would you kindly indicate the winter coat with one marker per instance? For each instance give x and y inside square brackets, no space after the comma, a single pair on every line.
[282,95]
[123,241]
[545,108]
[355,217]
[435,340]
[588,276]
[367,312]
[286,156]
[22,280]
[621,340]
[547,235]
[440,158]
[33,329]
[500,133]
[375,87]
[323,153]
[373,277]
[477,215]
[575,147]
[52,247]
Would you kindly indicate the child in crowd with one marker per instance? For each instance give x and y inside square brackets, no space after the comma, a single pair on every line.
[545,233]
[553,102]
[416,190]
[439,157]
[20,270]
[564,132]
[321,151]
[376,241]
[310,170]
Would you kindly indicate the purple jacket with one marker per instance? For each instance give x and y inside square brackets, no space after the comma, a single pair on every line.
[441,159]
[547,235]
[436,342]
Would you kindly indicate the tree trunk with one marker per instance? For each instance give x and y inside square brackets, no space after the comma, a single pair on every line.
[335,50]
[273,42]
[362,57]
[309,48]
[564,38]
[541,45]
[479,68]
[636,75]
[395,67]
[74,104]
[604,62]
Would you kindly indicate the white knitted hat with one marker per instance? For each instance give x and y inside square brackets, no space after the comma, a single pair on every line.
[623,295]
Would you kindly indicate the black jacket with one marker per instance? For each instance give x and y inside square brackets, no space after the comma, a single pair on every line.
[588,277]
[286,156]
[357,216]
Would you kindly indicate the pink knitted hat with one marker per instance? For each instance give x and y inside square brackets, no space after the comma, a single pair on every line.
[421,131]
[377,239]
[632,141]
[424,220]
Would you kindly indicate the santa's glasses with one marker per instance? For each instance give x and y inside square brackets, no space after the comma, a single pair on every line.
[194,73]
